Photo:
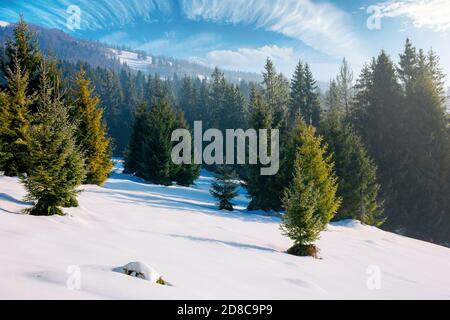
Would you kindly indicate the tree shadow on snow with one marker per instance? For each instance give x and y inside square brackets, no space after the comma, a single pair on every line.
[238,245]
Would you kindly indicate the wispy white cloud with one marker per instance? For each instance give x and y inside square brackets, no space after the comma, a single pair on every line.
[431,14]
[170,43]
[250,59]
[321,26]
[95,15]
[253,60]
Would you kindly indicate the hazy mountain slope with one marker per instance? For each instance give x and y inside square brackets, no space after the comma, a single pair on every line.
[68,48]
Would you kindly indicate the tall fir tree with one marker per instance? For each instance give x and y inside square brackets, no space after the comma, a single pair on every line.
[16,122]
[344,82]
[91,133]
[357,173]
[56,164]
[297,102]
[313,108]
[24,49]
[133,155]
[310,200]
[263,190]
[333,99]
[184,174]
[157,147]
[276,94]
[362,94]
[426,156]
[4,129]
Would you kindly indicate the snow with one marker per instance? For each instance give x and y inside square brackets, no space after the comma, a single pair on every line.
[4,24]
[141,270]
[132,60]
[203,253]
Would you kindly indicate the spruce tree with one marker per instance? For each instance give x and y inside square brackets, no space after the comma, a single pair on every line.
[310,200]
[184,174]
[424,182]
[344,83]
[263,190]
[297,102]
[56,164]
[356,172]
[357,115]
[24,49]
[133,155]
[157,145]
[16,122]
[276,94]
[91,133]
[313,109]
[224,188]
[4,129]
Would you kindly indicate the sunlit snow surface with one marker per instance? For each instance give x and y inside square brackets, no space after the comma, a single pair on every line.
[202,252]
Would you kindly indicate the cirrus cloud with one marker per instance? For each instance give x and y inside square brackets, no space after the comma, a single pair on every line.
[431,14]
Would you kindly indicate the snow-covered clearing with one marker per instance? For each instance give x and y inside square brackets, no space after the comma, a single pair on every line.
[201,252]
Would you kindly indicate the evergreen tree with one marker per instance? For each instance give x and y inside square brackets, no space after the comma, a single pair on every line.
[310,201]
[276,94]
[16,122]
[4,129]
[216,101]
[333,100]
[360,104]
[184,174]
[408,65]
[224,188]
[356,172]
[313,109]
[188,100]
[57,166]
[424,183]
[297,103]
[25,49]
[263,190]
[91,133]
[111,97]
[157,145]
[134,160]
[345,85]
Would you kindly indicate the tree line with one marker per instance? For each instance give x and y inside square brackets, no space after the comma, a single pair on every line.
[53,138]
[376,149]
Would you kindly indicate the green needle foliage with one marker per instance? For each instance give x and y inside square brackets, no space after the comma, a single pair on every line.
[57,166]
[91,132]
[311,200]
[224,188]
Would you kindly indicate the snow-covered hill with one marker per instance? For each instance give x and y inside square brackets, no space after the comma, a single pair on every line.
[201,252]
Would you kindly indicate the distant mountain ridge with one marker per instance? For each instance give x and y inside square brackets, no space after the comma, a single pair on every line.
[68,48]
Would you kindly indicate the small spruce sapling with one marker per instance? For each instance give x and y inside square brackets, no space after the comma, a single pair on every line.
[224,188]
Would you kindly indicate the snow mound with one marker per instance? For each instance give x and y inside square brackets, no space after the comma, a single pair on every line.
[142,271]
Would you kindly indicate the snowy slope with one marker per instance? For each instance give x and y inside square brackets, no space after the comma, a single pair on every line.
[203,253]
[132,60]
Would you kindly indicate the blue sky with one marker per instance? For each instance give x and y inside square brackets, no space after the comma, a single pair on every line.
[240,34]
